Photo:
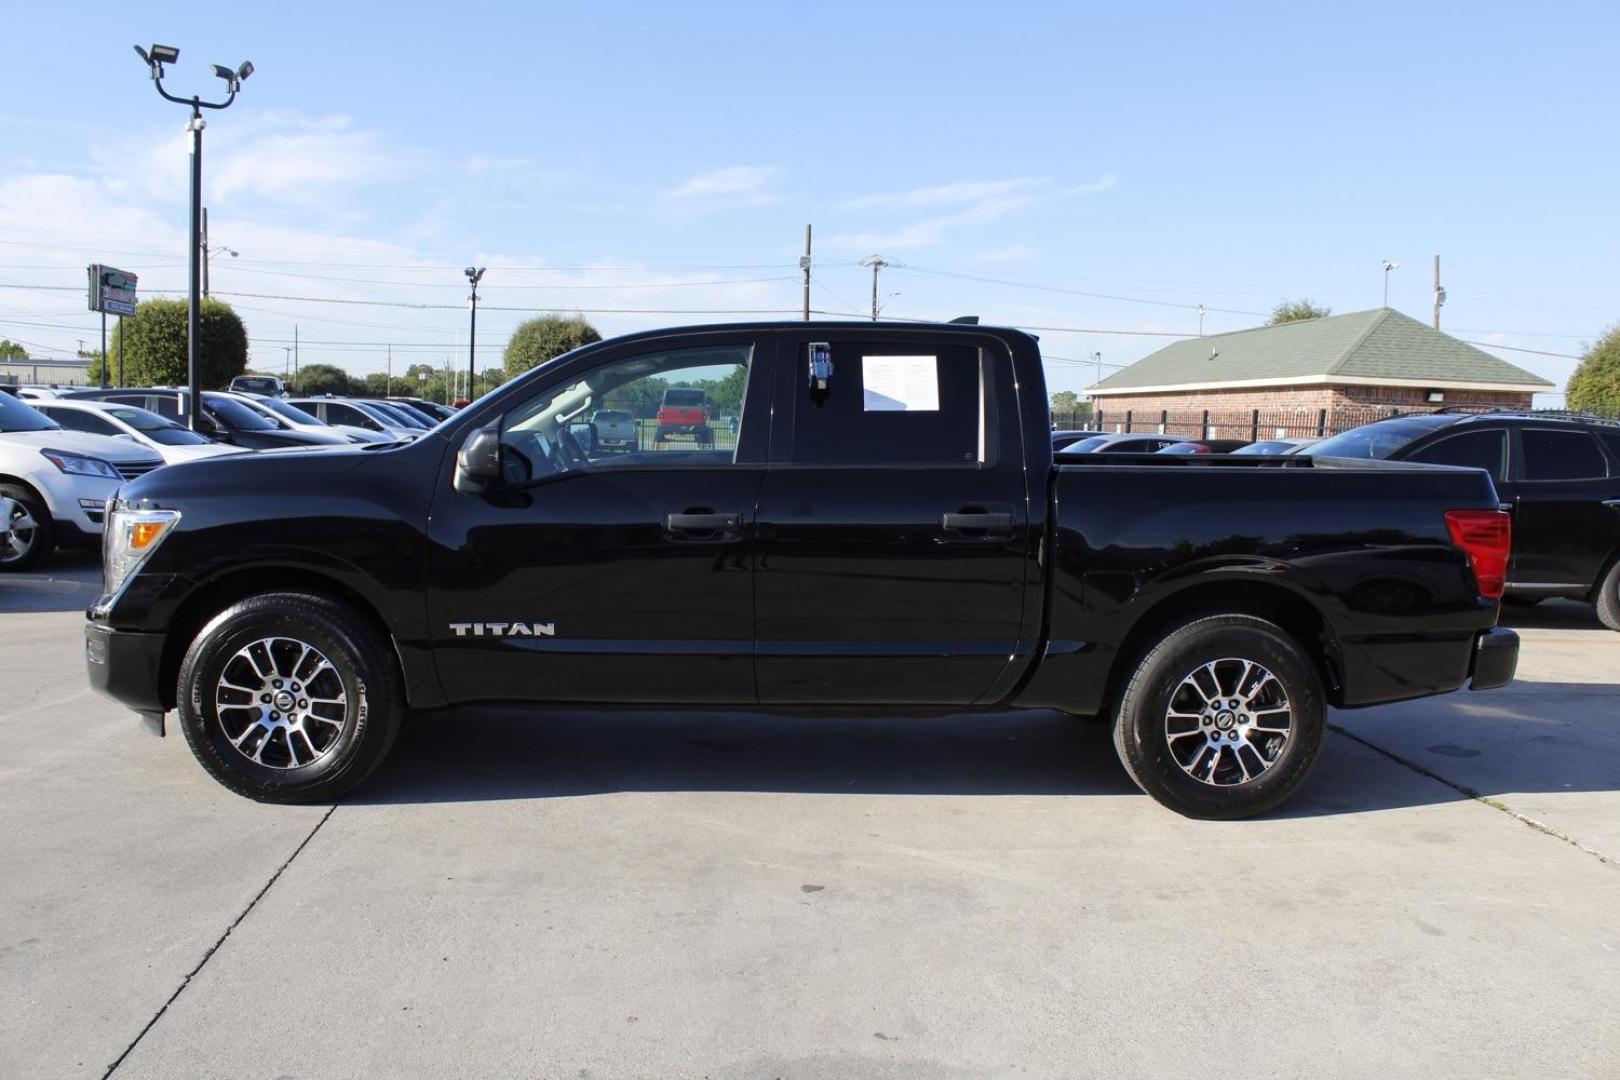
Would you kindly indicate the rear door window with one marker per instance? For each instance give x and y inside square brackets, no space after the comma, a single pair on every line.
[1486,449]
[1561,455]
[894,404]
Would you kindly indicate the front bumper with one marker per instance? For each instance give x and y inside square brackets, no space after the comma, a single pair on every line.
[126,666]
[1496,658]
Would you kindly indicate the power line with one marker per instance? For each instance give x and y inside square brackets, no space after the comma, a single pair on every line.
[1081,292]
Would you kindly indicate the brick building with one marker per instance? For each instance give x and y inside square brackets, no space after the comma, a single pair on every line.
[1307,377]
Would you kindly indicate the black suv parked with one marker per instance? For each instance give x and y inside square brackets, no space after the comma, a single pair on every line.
[1558,473]
[224,419]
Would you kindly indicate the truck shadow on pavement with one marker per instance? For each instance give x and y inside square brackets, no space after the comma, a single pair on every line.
[1546,737]
[69,581]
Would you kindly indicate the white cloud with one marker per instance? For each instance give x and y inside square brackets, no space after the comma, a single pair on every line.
[945,194]
[976,203]
[736,182]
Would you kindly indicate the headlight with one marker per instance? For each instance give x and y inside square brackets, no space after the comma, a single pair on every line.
[79,465]
[131,537]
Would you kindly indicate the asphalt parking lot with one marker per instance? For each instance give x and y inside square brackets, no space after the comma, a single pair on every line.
[646,895]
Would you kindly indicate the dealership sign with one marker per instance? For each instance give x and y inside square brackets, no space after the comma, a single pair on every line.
[112,292]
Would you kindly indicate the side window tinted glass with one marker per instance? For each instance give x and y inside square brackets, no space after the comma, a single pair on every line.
[1475,449]
[679,407]
[1561,455]
[1611,439]
[888,404]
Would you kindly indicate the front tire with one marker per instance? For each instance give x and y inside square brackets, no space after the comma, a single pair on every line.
[1222,718]
[32,533]
[290,698]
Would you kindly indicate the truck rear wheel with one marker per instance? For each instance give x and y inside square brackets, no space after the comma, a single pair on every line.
[290,697]
[1608,598]
[1222,718]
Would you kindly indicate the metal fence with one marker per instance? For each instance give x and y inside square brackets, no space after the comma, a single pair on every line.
[1250,424]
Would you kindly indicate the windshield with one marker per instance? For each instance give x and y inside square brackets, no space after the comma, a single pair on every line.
[401,415]
[1377,440]
[160,429]
[288,413]
[15,416]
[236,415]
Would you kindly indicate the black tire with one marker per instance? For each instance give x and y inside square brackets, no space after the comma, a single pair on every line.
[37,543]
[1142,718]
[361,663]
[1607,600]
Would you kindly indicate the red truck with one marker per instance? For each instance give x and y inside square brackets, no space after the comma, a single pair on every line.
[684,411]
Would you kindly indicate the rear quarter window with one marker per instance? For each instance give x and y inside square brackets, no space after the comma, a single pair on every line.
[1485,449]
[1561,455]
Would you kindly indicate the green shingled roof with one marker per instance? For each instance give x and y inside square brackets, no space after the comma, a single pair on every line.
[1378,344]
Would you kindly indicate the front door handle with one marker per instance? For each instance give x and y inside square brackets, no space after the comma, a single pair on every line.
[976,521]
[704,521]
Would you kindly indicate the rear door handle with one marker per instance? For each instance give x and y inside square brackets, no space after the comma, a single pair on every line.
[703,522]
[975,521]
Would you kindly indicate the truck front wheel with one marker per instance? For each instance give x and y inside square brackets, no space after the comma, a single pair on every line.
[1222,718]
[290,697]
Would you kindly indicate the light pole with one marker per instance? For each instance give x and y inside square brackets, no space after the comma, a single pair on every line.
[155,58]
[1388,266]
[475,274]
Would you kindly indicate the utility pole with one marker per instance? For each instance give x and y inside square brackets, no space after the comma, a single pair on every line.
[286,363]
[475,274]
[120,351]
[388,379]
[203,243]
[804,264]
[295,355]
[877,263]
[104,372]
[1200,320]
[1439,293]
[1097,356]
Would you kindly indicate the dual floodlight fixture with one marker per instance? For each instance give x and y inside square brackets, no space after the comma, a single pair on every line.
[475,274]
[158,55]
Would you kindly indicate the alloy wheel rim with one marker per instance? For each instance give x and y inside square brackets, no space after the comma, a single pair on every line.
[1228,722]
[21,537]
[281,703]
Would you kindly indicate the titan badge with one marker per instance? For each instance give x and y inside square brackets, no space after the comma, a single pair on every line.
[504,629]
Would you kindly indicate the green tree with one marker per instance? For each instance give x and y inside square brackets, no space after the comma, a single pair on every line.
[538,340]
[318,379]
[10,350]
[1595,385]
[1065,402]
[1298,311]
[154,345]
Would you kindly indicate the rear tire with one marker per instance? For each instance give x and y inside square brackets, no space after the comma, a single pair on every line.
[27,546]
[1222,718]
[1608,598]
[290,698]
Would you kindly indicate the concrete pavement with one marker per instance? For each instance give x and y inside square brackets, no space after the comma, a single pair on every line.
[646,895]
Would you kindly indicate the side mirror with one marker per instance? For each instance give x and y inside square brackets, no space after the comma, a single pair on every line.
[585,435]
[478,462]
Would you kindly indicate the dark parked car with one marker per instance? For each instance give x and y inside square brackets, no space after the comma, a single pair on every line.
[1128,443]
[1559,475]
[295,606]
[431,411]
[1068,437]
[1274,446]
[224,419]
[1206,446]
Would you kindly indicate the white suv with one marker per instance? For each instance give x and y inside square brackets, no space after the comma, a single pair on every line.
[58,482]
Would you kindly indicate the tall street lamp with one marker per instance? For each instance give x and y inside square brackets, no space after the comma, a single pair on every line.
[154,59]
[1388,266]
[475,274]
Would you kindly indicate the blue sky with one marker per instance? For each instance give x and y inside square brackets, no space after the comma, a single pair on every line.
[1105,170]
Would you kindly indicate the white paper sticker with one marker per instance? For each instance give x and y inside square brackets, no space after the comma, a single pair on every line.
[901,383]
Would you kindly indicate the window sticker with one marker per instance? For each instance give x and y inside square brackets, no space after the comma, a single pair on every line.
[901,383]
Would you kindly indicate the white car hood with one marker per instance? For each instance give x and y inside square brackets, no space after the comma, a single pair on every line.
[196,451]
[104,447]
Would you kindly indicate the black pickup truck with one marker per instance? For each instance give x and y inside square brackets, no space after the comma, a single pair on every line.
[886,529]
